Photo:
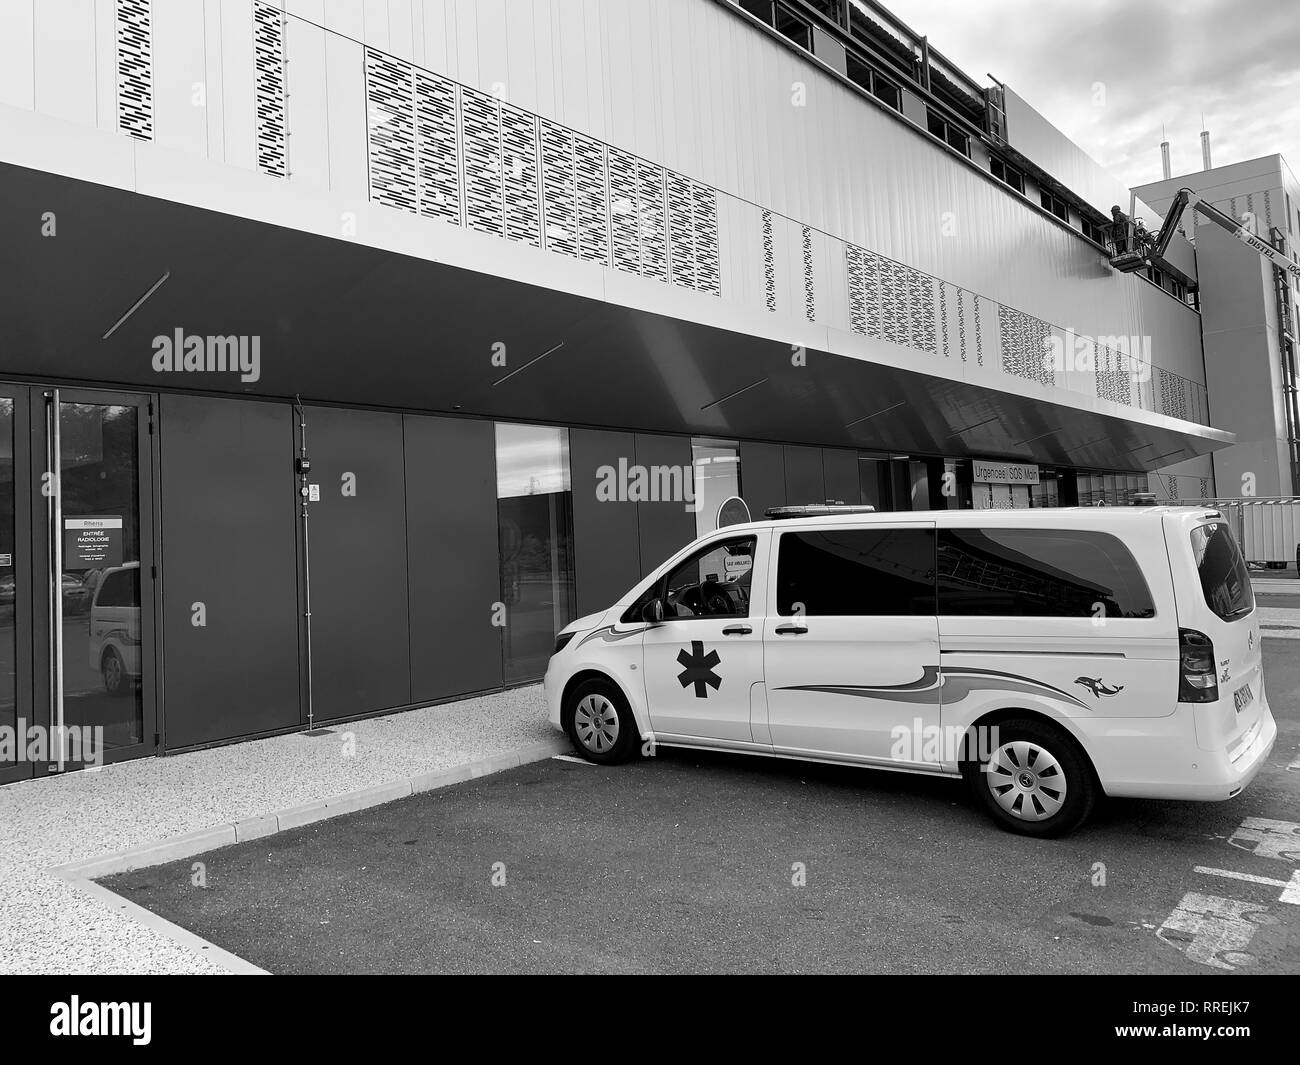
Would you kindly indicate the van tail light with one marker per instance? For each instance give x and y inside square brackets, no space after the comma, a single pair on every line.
[1197,682]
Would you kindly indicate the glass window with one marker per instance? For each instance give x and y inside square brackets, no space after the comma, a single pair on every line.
[792,26]
[535,529]
[1053,573]
[1008,174]
[120,588]
[712,583]
[1054,204]
[856,573]
[886,91]
[716,465]
[1225,581]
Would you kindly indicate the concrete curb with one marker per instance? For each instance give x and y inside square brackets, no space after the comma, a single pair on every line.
[82,875]
[206,839]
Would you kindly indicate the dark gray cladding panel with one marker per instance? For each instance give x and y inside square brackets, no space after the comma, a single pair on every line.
[606,539]
[762,476]
[451,536]
[228,542]
[840,468]
[359,622]
[665,525]
[805,481]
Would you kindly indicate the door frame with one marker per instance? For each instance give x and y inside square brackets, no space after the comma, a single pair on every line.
[34,536]
[24,665]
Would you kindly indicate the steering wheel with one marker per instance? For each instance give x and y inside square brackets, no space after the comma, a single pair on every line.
[716,601]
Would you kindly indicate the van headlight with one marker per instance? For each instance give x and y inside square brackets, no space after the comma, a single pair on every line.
[562,641]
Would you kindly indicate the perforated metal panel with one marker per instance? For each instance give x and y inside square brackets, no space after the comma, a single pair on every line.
[681,230]
[559,190]
[708,271]
[481,140]
[855,260]
[1173,394]
[135,69]
[1024,344]
[269,89]
[1114,375]
[945,334]
[809,294]
[390,111]
[652,220]
[769,261]
[593,200]
[623,211]
[523,208]
[437,167]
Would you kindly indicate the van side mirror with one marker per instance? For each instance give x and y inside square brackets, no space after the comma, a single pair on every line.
[653,611]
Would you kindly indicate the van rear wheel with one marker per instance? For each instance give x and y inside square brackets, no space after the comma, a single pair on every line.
[1036,781]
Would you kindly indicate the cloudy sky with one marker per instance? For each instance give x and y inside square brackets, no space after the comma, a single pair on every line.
[1158,62]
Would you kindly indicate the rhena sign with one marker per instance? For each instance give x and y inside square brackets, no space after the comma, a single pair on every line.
[92,542]
[1003,472]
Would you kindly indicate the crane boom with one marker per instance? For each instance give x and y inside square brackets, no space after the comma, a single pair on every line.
[1141,253]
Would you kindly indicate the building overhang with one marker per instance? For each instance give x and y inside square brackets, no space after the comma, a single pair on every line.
[344,322]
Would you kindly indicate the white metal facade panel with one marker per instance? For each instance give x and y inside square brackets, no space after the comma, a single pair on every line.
[214,115]
[105,63]
[345,76]
[238,80]
[180,89]
[17,54]
[64,60]
[306,108]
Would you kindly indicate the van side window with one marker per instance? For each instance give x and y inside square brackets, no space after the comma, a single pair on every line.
[856,573]
[714,582]
[1043,573]
[120,589]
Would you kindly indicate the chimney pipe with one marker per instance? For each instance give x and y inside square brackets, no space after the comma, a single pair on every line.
[1205,150]
[1164,159]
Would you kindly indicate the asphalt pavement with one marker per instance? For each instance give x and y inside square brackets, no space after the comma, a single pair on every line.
[696,862]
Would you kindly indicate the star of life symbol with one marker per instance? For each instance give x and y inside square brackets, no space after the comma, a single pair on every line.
[698,669]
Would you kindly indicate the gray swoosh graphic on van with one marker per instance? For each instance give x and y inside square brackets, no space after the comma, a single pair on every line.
[608,635]
[951,686]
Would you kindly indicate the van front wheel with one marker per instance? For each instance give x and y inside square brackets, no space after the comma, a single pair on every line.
[1036,781]
[600,723]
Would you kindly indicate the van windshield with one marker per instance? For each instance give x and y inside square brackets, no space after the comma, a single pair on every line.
[1225,581]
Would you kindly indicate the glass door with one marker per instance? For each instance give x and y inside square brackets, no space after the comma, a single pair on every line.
[92,599]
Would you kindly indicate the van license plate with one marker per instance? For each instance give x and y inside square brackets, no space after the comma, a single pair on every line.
[1242,696]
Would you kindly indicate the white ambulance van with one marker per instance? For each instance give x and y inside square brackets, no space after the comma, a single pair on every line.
[1048,657]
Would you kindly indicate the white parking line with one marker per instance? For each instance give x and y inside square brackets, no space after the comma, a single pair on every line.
[1290,888]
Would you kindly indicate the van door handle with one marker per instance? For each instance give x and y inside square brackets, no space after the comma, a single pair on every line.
[737,630]
[790,630]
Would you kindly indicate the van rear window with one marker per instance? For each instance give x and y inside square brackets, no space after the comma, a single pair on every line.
[1225,581]
[1039,573]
